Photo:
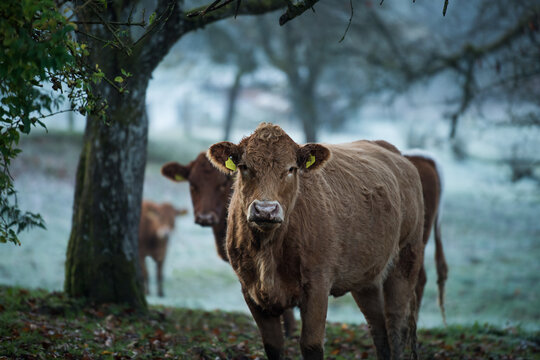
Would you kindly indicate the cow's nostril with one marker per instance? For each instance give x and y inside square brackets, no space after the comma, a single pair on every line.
[206,219]
[265,211]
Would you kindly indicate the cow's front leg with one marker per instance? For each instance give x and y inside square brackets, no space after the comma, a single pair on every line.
[270,329]
[159,265]
[313,310]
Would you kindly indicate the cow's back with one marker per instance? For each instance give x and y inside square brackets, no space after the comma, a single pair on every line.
[361,208]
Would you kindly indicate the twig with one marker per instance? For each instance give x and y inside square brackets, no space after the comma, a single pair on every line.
[117,23]
[213,6]
[97,38]
[350,21]
[75,10]
[445,7]
[55,113]
[295,10]
[165,15]
[113,32]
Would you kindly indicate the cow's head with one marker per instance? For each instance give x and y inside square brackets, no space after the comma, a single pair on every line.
[209,188]
[161,217]
[270,166]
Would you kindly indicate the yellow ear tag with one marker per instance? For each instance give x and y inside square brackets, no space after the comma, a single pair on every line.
[229,164]
[311,161]
[178,177]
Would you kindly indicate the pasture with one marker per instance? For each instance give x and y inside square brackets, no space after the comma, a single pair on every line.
[491,236]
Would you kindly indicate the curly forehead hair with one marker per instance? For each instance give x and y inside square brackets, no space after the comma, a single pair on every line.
[268,144]
[265,132]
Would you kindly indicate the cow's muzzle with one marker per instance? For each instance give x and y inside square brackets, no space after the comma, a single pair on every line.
[266,214]
[206,219]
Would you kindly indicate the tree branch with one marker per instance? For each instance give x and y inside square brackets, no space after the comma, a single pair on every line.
[295,10]
[247,7]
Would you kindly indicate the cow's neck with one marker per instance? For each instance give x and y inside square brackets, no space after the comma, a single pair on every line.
[268,255]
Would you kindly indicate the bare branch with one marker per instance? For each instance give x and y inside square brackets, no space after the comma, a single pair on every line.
[247,7]
[295,10]
[350,21]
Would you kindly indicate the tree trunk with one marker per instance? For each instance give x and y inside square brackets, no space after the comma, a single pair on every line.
[102,257]
[231,104]
[305,109]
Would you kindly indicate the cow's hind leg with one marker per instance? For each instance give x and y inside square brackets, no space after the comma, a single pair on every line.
[270,329]
[400,299]
[370,302]
[419,290]
[289,324]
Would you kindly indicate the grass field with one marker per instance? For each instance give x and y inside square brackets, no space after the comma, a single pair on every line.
[43,325]
[491,235]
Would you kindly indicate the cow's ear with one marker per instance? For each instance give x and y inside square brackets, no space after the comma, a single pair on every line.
[180,212]
[224,156]
[175,171]
[312,156]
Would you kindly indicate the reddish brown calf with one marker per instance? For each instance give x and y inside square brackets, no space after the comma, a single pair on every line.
[157,222]
[310,221]
[210,191]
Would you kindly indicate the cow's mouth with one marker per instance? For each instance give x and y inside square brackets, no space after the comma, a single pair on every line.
[265,224]
[265,214]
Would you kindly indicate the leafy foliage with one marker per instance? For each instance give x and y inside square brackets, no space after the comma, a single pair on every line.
[37,324]
[39,58]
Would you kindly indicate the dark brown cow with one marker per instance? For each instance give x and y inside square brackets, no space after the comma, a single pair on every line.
[310,221]
[157,222]
[210,192]
[432,187]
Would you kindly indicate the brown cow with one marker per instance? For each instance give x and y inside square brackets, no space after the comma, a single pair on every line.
[157,222]
[310,221]
[210,191]
[432,187]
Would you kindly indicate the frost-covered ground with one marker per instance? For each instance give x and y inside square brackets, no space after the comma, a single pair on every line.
[491,233]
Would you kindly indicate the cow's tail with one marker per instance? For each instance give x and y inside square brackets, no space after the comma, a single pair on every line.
[440,260]
[442,267]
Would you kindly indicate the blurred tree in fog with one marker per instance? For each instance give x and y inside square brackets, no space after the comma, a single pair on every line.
[485,53]
[226,49]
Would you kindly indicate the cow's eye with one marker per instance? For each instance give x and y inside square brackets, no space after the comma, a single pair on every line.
[292,169]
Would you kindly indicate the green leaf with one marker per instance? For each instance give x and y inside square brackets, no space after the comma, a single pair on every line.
[152,18]
[119,79]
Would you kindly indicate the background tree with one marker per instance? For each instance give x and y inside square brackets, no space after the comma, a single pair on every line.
[225,48]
